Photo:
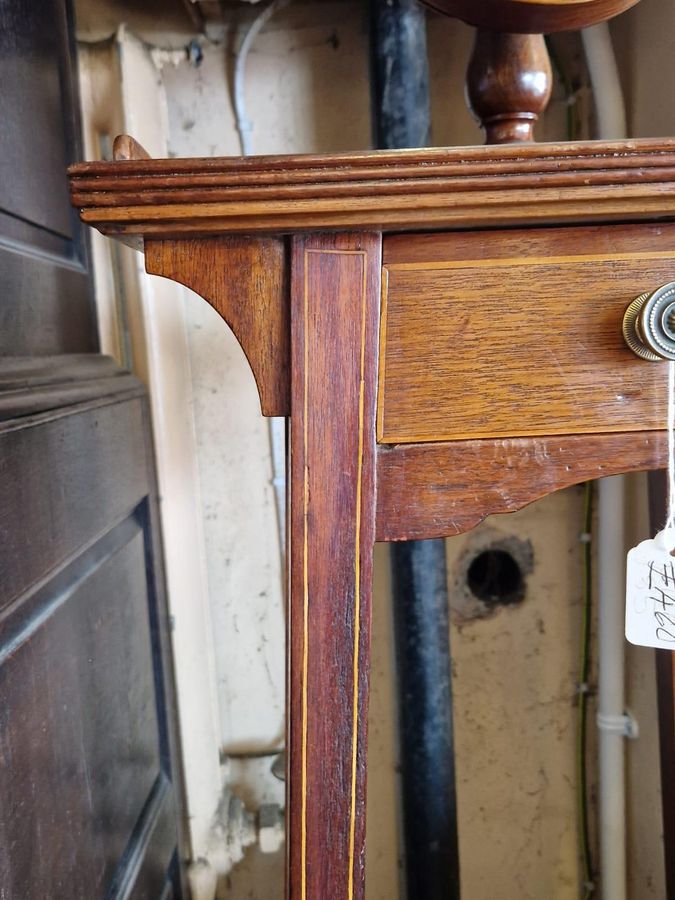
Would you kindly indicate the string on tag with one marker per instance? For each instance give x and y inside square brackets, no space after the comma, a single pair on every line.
[670,521]
[650,569]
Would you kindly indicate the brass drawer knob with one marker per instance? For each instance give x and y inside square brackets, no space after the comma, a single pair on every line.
[649,324]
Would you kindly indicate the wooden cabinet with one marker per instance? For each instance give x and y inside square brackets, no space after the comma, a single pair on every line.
[443,330]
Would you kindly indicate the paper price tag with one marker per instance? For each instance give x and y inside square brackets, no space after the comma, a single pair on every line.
[650,592]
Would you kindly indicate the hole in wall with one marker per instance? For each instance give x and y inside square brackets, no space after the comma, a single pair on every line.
[495,577]
[489,575]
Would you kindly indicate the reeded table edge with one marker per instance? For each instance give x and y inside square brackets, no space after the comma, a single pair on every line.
[390,191]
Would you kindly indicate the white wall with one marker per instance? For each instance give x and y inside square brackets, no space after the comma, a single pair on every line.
[645,41]
[142,325]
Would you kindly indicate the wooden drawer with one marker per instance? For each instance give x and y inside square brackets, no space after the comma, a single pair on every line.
[518,333]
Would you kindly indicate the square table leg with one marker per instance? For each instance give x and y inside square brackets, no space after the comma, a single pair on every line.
[335,288]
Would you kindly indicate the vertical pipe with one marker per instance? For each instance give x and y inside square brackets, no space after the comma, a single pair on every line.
[611,593]
[401,119]
[425,700]
[610,109]
[400,74]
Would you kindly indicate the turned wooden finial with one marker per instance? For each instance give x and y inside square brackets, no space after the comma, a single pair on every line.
[508,84]
[509,76]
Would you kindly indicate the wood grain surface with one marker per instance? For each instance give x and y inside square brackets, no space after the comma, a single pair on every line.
[389,190]
[507,334]
[508,84]
[32,384]
[531,16]
[245,281]
[91,780]
[335,293]
[438,490]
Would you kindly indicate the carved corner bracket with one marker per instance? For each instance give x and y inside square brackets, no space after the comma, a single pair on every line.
[245,280]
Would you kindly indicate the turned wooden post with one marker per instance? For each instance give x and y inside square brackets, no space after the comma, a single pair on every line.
[509,76]
[508,84]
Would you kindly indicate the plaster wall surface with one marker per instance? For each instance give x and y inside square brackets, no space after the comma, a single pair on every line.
[515,676]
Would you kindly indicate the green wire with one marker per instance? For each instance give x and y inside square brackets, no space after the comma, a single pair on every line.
[582,708]
[587,887]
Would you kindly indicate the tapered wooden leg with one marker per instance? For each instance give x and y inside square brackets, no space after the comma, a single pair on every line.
[334,323]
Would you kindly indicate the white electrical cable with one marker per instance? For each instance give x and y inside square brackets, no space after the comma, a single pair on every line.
[244,124]
[611,691]
[610,109]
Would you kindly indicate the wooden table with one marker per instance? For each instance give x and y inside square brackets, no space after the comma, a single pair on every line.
[443,330]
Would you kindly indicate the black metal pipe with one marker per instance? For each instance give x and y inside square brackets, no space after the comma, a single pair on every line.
[400,74]
[400,79]
[425,715]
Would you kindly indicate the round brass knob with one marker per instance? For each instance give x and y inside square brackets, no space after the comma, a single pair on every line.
[649,324]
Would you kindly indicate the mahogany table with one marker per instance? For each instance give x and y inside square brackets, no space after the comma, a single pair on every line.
[443,329]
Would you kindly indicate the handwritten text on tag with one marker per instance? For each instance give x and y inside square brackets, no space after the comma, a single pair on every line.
[650,593]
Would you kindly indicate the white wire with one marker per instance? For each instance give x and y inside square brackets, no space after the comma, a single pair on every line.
[244,124]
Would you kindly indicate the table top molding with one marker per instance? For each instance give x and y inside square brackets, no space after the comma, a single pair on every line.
[467,187]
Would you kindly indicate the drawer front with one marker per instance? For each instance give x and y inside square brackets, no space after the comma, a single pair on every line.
[518,333]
